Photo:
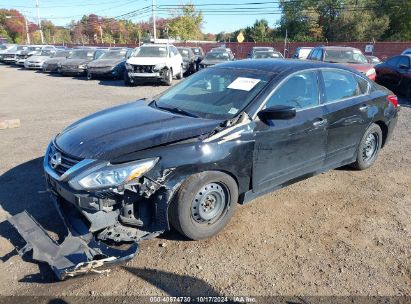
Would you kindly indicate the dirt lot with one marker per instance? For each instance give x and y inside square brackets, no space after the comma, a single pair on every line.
[340,233]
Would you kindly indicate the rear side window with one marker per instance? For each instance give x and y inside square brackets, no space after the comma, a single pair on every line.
[299,91]
[341,85]
[404,60]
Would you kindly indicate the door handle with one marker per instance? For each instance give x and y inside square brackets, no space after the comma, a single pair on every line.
[364,108]
[319,123]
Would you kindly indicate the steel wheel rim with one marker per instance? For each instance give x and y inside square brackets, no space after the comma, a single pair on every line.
[370,147]
[210,203]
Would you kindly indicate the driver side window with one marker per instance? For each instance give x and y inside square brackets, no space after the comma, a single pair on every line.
[299,91]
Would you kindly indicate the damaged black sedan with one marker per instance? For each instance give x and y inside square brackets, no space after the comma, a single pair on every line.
[186,158]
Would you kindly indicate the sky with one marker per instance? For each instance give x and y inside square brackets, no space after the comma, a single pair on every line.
[231,15]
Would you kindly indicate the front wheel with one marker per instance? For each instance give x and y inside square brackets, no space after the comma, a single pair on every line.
[89,76]
[168,77]
[369,147]
[180,75]
[204,204]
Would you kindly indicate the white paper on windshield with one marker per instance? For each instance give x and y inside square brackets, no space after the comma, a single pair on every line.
[90,54]
[162,49]
[243,83]
[233,111]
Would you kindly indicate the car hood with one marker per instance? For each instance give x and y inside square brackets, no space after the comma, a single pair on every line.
[105,63]
[55,60]
[212,61]
[360,67]
[147,60]
[128,128]
[39,58]
[74,62]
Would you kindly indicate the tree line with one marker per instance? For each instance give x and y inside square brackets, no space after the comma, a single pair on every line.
[301,20]
[332,20]
[184,24]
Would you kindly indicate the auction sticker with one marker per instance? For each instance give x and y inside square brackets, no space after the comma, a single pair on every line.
[243,83]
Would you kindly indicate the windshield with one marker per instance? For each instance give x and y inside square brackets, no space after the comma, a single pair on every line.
[184,53]
[215,93]
[3,47]
[34,48]
[81,54]
[266,54]
[218,56]
[345,56]
[151,51]
[21,47]
[118,54]
[196,51]
[60,54]
[46,53]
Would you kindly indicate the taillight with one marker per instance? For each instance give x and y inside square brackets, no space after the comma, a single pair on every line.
[393,99]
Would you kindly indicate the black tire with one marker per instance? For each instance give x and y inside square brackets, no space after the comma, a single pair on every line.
[190,198]
[180,75]
[368,148]
[127,81]
[89,76]
[168,77]
[408,93]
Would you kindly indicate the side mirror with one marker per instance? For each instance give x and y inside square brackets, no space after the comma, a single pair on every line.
[277,113]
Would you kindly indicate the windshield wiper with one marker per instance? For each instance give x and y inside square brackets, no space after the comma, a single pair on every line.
[175,110]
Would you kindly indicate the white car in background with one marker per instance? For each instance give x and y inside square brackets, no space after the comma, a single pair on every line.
[154,62]
[36,61]
[4,48]
[406,52]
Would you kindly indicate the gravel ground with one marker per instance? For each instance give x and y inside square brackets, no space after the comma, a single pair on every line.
[340,233]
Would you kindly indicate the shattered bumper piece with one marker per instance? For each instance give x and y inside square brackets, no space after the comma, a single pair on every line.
[74,256]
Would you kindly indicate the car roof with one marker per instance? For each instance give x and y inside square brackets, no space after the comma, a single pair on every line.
[338,47]
[281,65]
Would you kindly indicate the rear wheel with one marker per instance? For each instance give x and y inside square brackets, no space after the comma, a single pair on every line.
[204,204]
[368,148]
[89,75]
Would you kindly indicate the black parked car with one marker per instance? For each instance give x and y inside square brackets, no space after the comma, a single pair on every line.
[110,64]
[199,55]
[223,136]
[395,74]
[76,62]
[189,64]
[215,57]
[53,65]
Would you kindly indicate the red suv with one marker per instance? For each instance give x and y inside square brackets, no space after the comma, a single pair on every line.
[347,56]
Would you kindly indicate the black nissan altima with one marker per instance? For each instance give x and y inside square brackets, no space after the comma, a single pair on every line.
[222,137]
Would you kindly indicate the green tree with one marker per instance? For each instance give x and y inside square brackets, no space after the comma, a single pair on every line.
[187,24]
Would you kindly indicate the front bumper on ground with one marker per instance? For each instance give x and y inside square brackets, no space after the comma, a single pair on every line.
[78,254]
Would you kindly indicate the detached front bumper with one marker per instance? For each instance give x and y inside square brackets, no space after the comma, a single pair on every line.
[78,254]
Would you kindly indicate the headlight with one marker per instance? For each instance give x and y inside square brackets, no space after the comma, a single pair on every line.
[129,66]
[113,175]
[370,72]
[82,66]
[159,67]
